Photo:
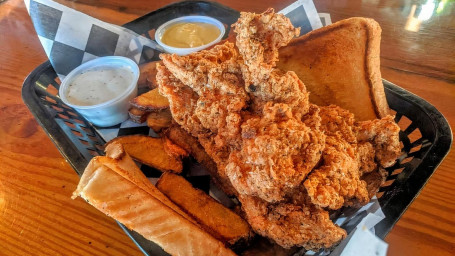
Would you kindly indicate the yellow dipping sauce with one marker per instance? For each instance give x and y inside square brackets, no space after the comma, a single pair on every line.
[189,35]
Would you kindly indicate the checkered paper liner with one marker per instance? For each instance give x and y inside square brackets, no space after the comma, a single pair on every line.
[71,38]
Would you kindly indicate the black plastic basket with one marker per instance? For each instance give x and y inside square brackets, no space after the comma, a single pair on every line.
[426,134]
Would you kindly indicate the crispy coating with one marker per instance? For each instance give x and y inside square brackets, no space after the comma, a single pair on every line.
[259,36]
[290,225]
[215,76]
[337,181]
[384,135]
[277,153]
[192,70]
[182,100]
[366,155]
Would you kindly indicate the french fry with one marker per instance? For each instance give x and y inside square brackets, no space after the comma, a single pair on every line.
[149,151]
[150,101]
[214,218]
[159,120]
[137,115]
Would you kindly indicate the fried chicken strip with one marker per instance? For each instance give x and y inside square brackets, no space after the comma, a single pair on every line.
[259,36]
[337,182]
[277,153]
[384,135]
[292,225]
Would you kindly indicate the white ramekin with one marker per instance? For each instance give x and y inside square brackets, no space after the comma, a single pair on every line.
[113,111]
[184,51]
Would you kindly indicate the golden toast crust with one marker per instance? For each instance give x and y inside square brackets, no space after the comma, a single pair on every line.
[339,64]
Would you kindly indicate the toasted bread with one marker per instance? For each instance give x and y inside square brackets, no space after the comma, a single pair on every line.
[216,219]
[150,101]
[123,195]
[149,151]
[189,143]
[339,64]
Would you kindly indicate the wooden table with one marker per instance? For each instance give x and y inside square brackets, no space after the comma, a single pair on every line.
[37,216]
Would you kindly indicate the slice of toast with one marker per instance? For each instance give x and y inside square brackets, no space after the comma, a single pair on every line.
[124,195]
[339,64]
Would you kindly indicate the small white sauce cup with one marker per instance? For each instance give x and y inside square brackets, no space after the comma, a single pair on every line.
[184,51]
[113,111]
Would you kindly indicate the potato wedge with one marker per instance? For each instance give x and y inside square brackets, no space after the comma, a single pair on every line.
[150,101]
[147,70]
[159,120]
[216,219]
[149,151]
[137,115]
[151,81]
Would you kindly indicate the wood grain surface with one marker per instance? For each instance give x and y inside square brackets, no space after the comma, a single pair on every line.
[37,216]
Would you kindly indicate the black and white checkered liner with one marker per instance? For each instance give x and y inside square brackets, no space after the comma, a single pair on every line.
[71,38]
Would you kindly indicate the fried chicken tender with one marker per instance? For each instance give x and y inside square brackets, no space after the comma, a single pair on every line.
[192,70]
[366,155]
[208,99]
[215,76]
[259,36]
[277,153]
[337,182]
[290,225]
[384,135]
[182,100]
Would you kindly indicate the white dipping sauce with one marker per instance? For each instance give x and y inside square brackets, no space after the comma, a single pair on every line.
[98,85]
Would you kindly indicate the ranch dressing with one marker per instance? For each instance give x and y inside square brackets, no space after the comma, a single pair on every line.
[98,85]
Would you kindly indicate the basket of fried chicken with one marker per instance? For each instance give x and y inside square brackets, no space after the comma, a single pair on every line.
[294,128]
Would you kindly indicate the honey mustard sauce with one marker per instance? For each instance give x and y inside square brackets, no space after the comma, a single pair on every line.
[189,35]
